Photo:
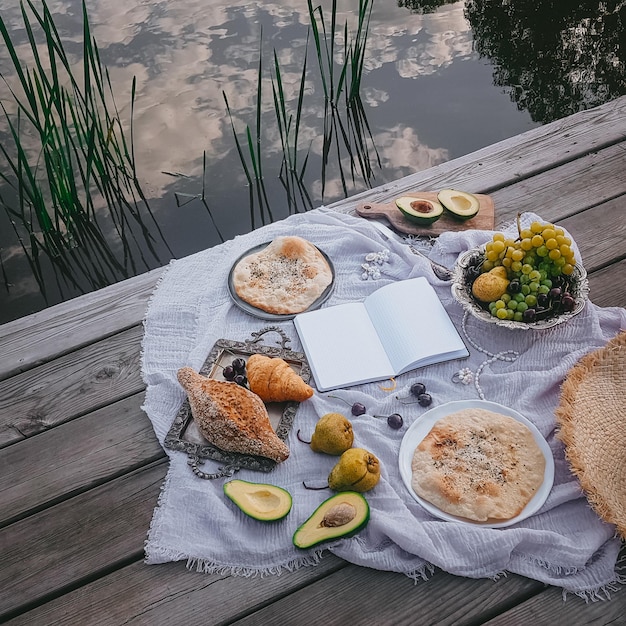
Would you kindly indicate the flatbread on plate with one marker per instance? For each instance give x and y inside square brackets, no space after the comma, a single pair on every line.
[286,277]
[479,465]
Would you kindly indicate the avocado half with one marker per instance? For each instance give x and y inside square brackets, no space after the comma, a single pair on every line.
[460,204]
[342,515]
[420,210]
[261,501]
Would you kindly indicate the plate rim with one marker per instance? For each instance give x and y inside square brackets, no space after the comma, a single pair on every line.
[277,317]
[427,420]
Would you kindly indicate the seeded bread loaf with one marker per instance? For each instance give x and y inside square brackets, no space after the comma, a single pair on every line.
[231,417]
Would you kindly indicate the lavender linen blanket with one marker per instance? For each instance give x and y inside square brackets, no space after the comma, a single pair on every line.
[564,544]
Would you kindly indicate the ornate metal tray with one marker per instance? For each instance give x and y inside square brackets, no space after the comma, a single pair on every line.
[184,434]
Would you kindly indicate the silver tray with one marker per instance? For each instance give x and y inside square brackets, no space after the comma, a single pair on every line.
[462,292]
[260,313]
[184,435]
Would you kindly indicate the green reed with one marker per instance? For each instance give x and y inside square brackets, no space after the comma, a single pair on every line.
[346,133]
[69,167]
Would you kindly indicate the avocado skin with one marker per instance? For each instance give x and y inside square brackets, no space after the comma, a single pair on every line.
[237,490]
[408,204]
[310,533]
[445,198]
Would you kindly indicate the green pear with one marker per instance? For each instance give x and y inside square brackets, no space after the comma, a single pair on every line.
[333,434]
[357,470]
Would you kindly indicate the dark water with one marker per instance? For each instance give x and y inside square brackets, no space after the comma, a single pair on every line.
[441,79]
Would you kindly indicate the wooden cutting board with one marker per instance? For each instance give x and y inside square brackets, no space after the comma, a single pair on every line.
[484,220]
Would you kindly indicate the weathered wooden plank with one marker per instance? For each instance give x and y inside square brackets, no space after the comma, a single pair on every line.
[37,338]
[556,194]
[548,608]
[145,595]
[600,233]
[608,287]
[356,595]
[78,538]
[516,158]
[87,379]
[74,457]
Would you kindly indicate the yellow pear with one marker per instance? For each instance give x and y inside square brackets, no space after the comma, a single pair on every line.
[356,470]
[491,285]
[333,434]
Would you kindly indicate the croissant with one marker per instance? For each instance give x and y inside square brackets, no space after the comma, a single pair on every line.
[231,417]
[273,380]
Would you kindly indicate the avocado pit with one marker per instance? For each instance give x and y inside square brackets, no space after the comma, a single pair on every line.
[339,515]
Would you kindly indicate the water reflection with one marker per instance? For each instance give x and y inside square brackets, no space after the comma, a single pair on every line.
[428,92]
[556,58]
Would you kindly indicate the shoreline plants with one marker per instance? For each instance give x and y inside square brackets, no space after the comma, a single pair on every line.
[71,191]
[68,176]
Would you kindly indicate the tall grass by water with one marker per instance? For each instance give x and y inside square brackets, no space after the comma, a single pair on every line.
[72,193]
[69,182]
[347,140]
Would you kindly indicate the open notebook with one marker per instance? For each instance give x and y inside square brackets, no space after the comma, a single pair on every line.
[399,327]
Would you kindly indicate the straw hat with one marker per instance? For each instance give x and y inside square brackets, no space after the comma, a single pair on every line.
[592,419]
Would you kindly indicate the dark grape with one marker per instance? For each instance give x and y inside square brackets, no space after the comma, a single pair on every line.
[395,421]
[424,399]
[239,365]
[529,315]
[555,292]
[240,379]
[358,409]
[228,372]
[514,287]
[568,302]
[417,389]
[542,299]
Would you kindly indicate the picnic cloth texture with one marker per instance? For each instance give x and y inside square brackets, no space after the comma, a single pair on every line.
[565,544]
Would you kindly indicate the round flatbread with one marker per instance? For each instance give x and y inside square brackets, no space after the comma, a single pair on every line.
[286,277]
[479,465]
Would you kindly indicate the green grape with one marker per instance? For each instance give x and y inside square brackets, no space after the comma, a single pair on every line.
[500,304]
[542,251]
[501,314]
[534,287]
[552,244]
[518,316]
[535,275]
[521,306]
[531,300]
[512,304]
[525,289]
[520,297]
[543,288]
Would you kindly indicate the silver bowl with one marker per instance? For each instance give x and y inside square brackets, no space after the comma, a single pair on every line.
[462,292]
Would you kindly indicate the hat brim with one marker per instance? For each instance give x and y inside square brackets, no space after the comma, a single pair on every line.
[592,424]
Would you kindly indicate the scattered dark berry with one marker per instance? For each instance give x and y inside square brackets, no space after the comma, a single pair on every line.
[425,399]
[239,365]
[395,421]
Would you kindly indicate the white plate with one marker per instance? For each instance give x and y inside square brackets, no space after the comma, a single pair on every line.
[420,428]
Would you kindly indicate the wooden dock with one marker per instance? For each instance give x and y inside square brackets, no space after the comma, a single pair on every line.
[81,469]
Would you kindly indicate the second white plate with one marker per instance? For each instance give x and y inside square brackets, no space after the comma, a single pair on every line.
[420,428]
